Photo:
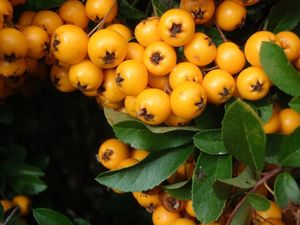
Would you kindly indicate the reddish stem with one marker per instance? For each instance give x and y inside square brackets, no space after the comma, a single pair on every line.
[268,176]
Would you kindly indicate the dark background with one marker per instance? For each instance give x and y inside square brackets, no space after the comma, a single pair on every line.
[61,133]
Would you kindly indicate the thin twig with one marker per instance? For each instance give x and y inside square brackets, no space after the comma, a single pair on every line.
[154,9]
[264,219]
[260,182]
[221,33]
[167,88]
[210,69]
[7,220]
[102,21]
[269,189]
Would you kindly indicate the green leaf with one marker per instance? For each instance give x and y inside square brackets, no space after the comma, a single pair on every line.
[148,173]
[295,103]
[210,118]
[274,143]
[281,72]
[289,153]
[284,16]
[50,217]
[160,6]
[17,169]
[258,202]
[214,35]
[6,115]
[210,141]
[29,185]
[43,4]
[243,214]
[243,135]
[257,12]
[181,190]
[212,32]
[286,190]
[129,12]
[264,109]
[245,180]
[113,117]
[80,221]
[208,203]
[138,136]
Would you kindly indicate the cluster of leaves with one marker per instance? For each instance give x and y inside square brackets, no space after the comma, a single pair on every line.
[221,135]
[240,136]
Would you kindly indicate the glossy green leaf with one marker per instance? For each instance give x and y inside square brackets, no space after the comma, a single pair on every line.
[127,11]
[210,141]
[113,117]
[43,4]
[212,32]
[80,221]
[245,180]
[257,11]
[274,143]
[29,185]
[286,190]
[258,202]
[243,214]
[208,203]
[50,217]
[243,135]
[17,169]
[138,136]
[289,153]
[160,6]
[264,109]
[148,173]
[295,103]
[281,72]
[210,118]
[285,15]
[181,190]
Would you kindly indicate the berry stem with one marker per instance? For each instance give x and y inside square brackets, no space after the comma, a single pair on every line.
[264,179]
[101,23]
[269,189]
[154,10]
[210,68]
[11,215]
[221,33]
